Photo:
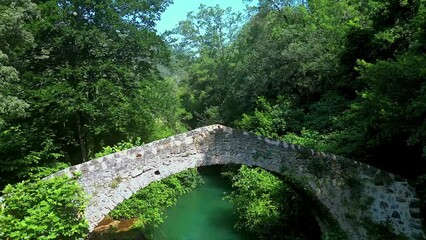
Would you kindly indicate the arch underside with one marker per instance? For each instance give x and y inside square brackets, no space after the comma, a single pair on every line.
[332,180]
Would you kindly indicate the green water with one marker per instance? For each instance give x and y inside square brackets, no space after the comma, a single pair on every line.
[202,214]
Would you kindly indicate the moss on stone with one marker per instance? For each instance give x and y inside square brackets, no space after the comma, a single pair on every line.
[117,180]
[382,179]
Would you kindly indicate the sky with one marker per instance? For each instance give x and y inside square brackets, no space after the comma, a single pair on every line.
[178,10]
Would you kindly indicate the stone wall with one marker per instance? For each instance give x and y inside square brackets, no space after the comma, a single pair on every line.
[353,193]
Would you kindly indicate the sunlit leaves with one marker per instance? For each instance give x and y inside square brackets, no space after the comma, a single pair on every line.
[255,199]
[208,31]
[13,16]
[46,209]
[266,206]
[86,79]
[272,121]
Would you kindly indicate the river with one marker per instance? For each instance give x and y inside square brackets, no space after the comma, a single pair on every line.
[202,214]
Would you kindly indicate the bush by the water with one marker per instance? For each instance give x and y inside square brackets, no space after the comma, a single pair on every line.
[269,208]
[148,204]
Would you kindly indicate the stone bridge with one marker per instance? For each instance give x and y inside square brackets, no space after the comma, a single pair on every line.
[350,194]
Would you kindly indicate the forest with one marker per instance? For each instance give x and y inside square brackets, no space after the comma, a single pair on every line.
[80,77]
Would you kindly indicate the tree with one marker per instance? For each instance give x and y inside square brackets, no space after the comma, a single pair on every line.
[292,52]
[384,67]
[89,74]
[89,80]
[381,32]
[265,6]
[13,16]
[207,32]
[204,46]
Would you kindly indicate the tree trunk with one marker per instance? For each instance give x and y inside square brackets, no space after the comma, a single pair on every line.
[81,138]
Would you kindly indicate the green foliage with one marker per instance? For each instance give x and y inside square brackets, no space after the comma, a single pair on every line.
[389,112]
[252,198]
[342,77]
[207,32]
[311,139]
[163,129]
[159,130]
[13,35]
[394,100]
[272,121]
[43,171]
[149,203]
[85,84]
[419,26]
[283,121]
[202,45]
[104,75]
[346,77]
[37,156]
[121,146]
[291,52]
[267,207]
[45,209]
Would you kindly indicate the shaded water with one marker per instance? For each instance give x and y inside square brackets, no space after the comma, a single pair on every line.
[202,214]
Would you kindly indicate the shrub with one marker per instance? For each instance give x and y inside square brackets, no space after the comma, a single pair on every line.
[45,209]
[268,208]
[149,203]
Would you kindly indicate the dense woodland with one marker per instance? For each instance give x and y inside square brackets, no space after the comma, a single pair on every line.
[346,77]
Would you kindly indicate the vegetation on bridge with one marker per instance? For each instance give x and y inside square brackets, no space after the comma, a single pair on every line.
[347,77]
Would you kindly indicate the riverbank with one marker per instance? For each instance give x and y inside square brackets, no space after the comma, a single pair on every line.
[109,229]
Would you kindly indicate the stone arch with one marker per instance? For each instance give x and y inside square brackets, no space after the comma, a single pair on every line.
[349,191]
